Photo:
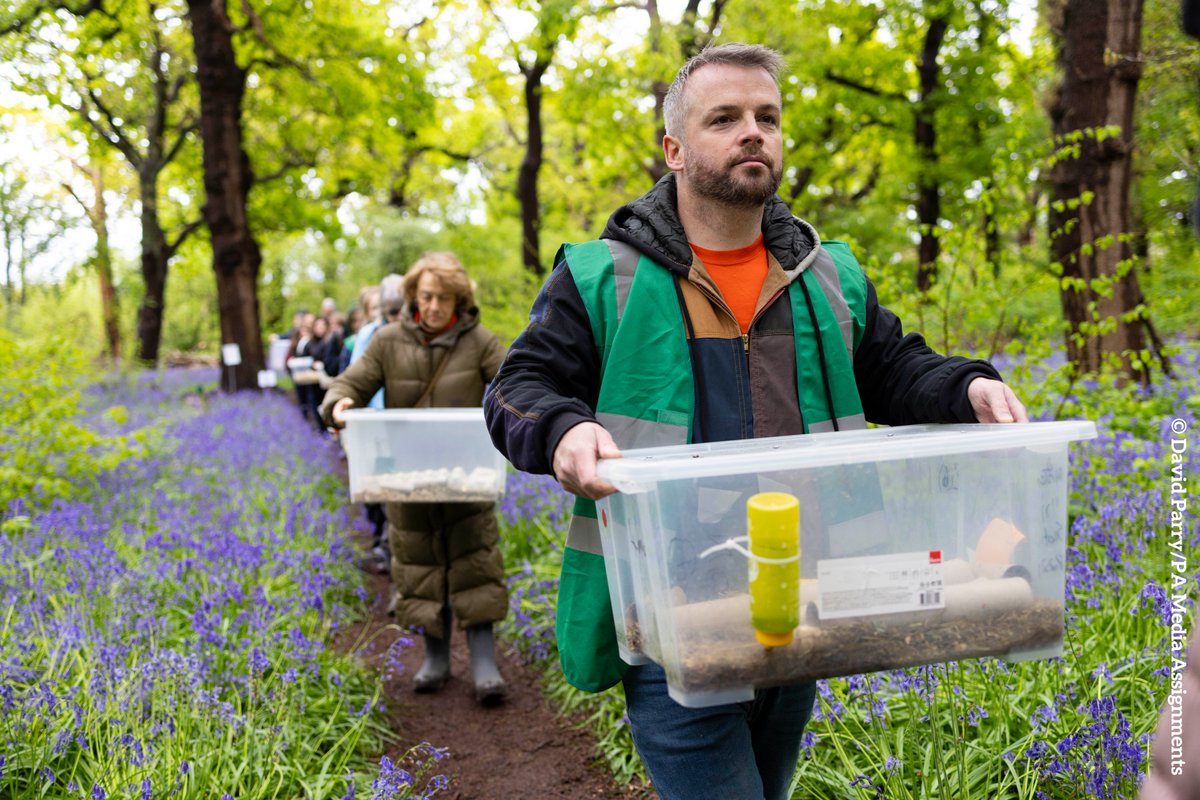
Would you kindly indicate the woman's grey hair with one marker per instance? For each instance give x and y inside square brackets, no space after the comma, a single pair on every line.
[735,54]
[391,291]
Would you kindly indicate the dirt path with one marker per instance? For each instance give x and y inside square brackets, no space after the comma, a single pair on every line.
[520,749]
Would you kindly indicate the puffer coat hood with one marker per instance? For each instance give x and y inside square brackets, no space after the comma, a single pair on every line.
[651,224]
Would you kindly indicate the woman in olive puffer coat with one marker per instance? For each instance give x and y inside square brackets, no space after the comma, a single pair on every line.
[446,560]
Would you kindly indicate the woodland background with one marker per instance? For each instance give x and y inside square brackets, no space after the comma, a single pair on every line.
[182,174]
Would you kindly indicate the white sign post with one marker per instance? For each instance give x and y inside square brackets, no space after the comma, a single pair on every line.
[231,354]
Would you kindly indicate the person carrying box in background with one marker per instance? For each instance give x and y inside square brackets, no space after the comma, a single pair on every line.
[446,560]
[707,312]
[299,361]
[390,291]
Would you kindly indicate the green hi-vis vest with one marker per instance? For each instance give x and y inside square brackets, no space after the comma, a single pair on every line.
[647,399]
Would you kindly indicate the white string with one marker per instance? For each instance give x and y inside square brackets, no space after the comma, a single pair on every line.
[736,543]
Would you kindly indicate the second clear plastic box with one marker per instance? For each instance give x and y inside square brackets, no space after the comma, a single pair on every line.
[422,455]
[918,544]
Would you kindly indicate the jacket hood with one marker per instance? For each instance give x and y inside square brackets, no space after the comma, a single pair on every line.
[651,224]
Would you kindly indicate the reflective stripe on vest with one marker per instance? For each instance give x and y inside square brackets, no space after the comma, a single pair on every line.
[625,259]
[826,273]
[854,422]
[584,534]
[633,432]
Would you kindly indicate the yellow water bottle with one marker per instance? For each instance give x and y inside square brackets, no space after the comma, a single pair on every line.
[773,522]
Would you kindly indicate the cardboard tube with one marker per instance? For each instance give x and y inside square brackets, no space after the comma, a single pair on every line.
[957,570]
[726,612]
[981,597]
[977,600]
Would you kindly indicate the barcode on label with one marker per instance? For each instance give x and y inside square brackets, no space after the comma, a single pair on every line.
[880,584]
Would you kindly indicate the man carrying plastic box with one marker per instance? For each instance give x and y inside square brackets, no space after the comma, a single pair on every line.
[707,312]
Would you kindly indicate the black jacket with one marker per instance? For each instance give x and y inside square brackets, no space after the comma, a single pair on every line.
[550,380]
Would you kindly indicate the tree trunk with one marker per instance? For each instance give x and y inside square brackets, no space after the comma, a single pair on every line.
[155,254]
[22,266]
[110,307]
[527,177]
[9,255]
[227,181]
[1089,213]
[990,223]
[96,212]
[109,304]
[658,167]
[929,204]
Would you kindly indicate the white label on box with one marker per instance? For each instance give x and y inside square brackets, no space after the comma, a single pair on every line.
[887,584]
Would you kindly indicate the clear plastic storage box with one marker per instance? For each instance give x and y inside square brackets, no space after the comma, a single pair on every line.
[917,545]
[421,455]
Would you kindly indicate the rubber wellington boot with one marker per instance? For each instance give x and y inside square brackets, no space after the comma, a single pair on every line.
[490,688]
[435,669]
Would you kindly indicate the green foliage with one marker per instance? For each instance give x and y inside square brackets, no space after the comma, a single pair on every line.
[31,220]
[1167,168]
[337,98]
[377,241]
[377,133]
[48,449]
[190,320]
[172,635]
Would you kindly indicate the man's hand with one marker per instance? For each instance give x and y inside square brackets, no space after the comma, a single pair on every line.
[575,460]
[338,414]
[993,401]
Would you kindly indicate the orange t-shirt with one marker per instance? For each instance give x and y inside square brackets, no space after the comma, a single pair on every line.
[739,274]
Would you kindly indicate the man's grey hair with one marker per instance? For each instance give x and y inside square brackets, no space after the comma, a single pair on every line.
[391,292]
[735,54]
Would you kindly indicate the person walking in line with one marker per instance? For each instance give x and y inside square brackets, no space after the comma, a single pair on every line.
[446,561]
[363,313]
[301,356]
[707,312]
[326,351]
[354,321]
[328,307]
[390,291]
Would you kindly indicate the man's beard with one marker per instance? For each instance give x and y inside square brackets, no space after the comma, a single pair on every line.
[725,186]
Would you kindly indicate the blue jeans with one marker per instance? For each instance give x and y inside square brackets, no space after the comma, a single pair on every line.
[740,751]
